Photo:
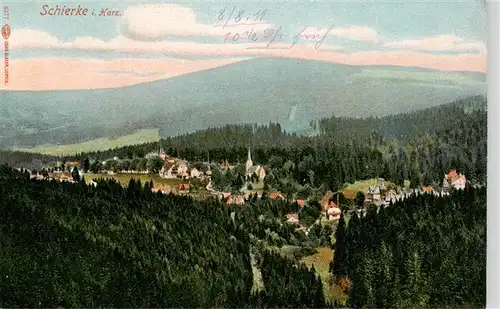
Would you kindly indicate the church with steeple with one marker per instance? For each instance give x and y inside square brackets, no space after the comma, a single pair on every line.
[253,172]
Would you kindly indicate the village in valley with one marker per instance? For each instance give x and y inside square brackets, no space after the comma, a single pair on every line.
[172,175]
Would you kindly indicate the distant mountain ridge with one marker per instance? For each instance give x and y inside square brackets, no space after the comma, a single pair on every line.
[259,90]
[402,128]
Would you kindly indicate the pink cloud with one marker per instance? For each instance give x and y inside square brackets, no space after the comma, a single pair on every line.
[72,73]
[75,73]
[149,22]
[439,43]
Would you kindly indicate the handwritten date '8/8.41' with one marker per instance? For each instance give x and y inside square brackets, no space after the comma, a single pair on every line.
[233,17]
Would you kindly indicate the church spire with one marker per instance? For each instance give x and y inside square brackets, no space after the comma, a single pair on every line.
[249,163]
[162,153]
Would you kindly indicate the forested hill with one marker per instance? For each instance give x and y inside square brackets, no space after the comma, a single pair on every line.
[403,128]
[409,126]
[79,246]
[420,145]
[25,159]
[423,252]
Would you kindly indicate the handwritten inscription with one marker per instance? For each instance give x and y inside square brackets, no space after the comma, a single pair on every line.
[239,17]
[318,35]
[270,35]
[245,26]
[63,10]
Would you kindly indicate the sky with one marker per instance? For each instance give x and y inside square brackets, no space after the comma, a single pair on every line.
[145,41]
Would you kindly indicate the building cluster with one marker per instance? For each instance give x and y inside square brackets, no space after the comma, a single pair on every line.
[181,188]
[380,195]
[330,211]
[56,175]
[174,168]
[241,197]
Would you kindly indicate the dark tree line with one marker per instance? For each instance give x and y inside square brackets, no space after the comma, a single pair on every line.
[423,252]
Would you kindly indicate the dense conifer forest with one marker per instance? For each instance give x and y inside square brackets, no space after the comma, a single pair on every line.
[76,245]
[423,252]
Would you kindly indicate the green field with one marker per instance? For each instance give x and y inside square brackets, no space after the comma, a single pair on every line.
[124,179]
[139,137]
[362,185]
[321,261]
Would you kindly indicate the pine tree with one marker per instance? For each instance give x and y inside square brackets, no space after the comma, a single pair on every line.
[75,174]
[363,291]
[341,256]
[384,278]
[416,287]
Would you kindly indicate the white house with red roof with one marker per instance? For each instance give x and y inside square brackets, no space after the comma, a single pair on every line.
[454,180]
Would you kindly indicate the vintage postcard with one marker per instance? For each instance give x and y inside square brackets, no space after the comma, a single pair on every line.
[243,154]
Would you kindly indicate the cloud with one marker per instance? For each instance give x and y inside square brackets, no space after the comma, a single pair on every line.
[357,33]
[442,43]
[154,22]
[30,38]
[127,45]
[75,73]
[53,73]
[81,73]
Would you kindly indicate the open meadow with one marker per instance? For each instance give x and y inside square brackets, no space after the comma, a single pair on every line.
[99,144]
[362,185]
[321,261]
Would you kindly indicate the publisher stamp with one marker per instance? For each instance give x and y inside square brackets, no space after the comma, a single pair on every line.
[6,31]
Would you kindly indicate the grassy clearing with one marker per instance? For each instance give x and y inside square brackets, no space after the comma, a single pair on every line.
[362,185]
[258,284]
[124,179]
[139,137]
[321,261]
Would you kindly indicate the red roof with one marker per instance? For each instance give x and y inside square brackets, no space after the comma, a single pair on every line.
[329,205]
[275,195]
[427,189]
[301,202]
[183,186]
[235,199]
[452,175]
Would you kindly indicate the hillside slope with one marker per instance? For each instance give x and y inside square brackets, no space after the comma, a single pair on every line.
[257,90]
